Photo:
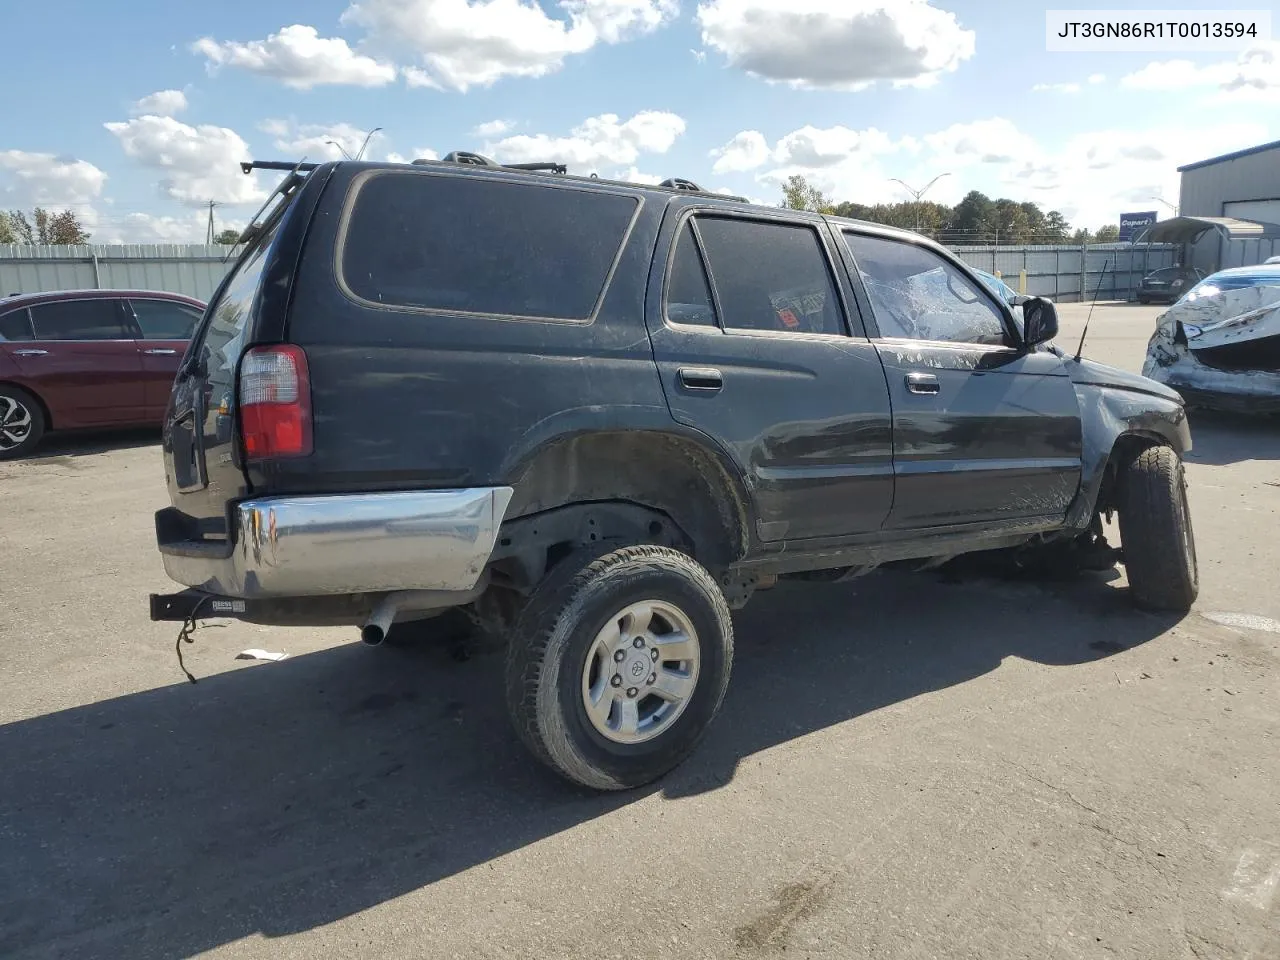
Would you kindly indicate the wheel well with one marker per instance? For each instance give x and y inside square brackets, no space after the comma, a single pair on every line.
[44,407]
[669,475]
[1126,447]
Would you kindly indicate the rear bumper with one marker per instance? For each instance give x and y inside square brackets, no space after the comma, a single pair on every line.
[341,544]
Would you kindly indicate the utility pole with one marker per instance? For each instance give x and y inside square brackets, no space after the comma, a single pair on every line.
[209,233]
[1166,203]
[917,194]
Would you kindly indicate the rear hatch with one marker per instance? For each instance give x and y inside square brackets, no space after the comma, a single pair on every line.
[201,441]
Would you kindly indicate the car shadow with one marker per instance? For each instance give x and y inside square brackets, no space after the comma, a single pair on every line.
[1219,439]
[80,444]
[280,797]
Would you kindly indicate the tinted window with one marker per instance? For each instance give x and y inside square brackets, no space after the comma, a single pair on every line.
[164,319]
[918,295]
[15,325]
[688,292]
[1167,273]
[770,276]
[222,336]
[481,246]
[80,320]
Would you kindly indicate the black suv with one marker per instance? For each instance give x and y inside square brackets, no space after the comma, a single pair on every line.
[596,416]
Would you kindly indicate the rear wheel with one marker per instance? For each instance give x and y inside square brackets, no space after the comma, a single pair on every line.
[618,664]
[1144,300]
[21,423]
[1155,531]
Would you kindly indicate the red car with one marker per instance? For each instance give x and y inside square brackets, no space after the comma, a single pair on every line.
[77,359]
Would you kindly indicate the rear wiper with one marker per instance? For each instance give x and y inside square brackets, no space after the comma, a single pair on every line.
[254,228]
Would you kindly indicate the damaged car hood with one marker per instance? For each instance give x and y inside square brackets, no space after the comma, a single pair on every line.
[1225,318]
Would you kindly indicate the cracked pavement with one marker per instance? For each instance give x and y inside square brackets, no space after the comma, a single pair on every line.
[905,767]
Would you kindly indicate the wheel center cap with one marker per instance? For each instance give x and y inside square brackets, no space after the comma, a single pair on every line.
[637,666]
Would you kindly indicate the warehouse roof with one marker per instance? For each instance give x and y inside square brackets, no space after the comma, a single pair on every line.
[1260,148]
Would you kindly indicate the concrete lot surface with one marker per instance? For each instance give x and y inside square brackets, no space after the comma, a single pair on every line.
[905,766]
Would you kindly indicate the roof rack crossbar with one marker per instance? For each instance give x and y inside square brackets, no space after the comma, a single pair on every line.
[248,166]
[538,167]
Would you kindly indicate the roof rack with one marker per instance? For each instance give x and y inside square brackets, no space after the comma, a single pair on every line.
[467,158]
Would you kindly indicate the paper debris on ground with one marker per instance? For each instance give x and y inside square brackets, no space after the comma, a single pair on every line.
[256,654]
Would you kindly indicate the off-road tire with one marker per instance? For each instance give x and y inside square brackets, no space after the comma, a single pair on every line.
[552,638]
[10,395]
[1144,300]
[1156,533]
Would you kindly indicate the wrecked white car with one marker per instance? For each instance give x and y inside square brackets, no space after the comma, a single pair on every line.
[1219,346]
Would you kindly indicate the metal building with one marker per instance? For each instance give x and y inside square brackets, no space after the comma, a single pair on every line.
[1244,185]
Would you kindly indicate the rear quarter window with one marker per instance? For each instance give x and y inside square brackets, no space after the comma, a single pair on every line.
[470,245]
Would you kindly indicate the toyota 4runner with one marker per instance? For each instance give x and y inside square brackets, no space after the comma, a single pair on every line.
[596,416]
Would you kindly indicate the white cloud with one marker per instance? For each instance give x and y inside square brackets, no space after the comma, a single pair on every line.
[1056,87]
[1097,78]
[1252,77]
[603,141]
[48,180]
[746,151]
[813,147]
[298,57]
[464,43]
[840,44]
[198,164]
[162,103]
[419,153]
[491,129]
[1090,177]
[318,141]
[995,140]
[632,175]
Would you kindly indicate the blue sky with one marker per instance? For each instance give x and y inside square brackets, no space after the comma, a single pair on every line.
[135,119]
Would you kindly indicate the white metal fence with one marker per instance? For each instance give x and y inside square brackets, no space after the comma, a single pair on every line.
[1059,272]
[179,268]
[1111,271]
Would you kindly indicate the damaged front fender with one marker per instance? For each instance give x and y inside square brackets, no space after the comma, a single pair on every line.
[1111,417]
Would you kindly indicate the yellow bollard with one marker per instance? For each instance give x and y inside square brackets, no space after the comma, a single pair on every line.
[1022,281]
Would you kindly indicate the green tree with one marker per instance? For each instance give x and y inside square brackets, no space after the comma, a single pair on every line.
[1082,236]
[799,194]
[1055,226]
[1108,234]
[227,237]
[42,227]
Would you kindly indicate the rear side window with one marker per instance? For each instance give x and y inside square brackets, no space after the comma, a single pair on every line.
[15,325]
[468,245]
[688,292]
[80,320]
[165,319]
[770,276]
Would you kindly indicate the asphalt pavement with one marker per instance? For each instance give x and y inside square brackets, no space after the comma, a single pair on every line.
[905,767]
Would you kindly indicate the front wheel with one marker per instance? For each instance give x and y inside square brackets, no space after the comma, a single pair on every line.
[618,664]
[1155,531]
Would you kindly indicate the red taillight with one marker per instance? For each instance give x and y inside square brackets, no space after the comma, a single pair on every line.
[275,402]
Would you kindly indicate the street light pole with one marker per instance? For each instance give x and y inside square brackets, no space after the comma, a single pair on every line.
[917,194]
[1166,203]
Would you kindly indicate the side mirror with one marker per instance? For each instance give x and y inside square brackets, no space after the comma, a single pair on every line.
[1039,321]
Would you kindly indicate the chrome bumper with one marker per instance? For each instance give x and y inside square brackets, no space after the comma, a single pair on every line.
[344,544]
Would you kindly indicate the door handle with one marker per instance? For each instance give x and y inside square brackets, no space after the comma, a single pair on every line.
[706,379]
[31,353]
[160,352]
[923,383]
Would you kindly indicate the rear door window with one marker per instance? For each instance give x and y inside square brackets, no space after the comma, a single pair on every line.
[458,244]
[688,291]
[165,319]
[97,319]
[770,276]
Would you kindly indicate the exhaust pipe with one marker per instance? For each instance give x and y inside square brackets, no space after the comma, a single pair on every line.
[375,628]
[412,602]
